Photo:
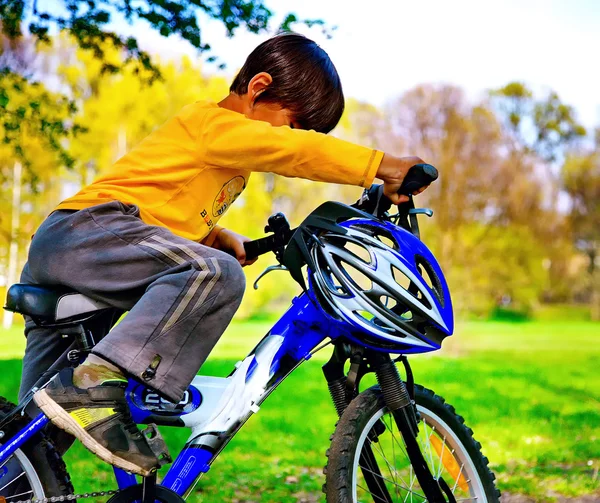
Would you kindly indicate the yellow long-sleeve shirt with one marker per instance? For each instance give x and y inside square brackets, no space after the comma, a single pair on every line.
[187,173]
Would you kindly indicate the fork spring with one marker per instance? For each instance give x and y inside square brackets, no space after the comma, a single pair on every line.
[337,390]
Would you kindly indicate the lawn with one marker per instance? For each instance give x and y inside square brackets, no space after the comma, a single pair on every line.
[530,391]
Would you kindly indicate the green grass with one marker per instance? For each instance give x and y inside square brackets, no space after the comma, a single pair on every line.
[530,391]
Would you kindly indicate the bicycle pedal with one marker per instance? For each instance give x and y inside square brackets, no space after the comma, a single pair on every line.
[157,445]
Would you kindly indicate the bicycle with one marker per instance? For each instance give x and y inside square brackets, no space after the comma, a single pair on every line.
[396,441]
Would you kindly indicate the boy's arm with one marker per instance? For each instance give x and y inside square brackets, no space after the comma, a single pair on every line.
[230,140]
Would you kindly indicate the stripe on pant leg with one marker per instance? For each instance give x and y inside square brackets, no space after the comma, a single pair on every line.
[210,285]
[164,251]
[184,248]
[174,251]
[183,303]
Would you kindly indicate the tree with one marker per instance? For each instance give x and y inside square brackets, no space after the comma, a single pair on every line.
[492,220]
[540,131]
[581,180]
[543,126]
[28,109]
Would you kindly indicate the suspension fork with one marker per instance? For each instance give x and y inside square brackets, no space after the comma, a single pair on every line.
[343,388]
[336,378]
[400,404]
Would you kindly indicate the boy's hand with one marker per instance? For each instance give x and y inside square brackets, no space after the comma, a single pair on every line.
[230,241]
[392,171]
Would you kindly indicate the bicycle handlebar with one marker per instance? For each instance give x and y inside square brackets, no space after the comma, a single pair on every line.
[259,246]
[418,176]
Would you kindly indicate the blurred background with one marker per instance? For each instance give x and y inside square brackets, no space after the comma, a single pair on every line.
[503,97]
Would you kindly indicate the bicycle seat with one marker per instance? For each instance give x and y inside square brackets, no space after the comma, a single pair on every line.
[49,305]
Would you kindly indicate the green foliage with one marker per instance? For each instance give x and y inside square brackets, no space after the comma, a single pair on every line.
[562,313]
[556,125]
[493,267]
[516,102]
[28,110]
[88,22]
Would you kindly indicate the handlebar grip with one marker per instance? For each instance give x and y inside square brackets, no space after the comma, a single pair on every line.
[259,247]
[418,176]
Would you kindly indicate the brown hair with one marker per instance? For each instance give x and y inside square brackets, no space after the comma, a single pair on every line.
[304,80]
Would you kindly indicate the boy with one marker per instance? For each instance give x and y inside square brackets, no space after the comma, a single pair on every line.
[143,238]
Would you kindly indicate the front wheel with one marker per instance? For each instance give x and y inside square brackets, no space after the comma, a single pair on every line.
[367,460]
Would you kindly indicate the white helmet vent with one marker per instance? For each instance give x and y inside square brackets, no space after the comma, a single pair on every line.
[405,282]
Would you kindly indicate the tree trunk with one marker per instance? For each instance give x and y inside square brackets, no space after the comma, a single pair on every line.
[13,254]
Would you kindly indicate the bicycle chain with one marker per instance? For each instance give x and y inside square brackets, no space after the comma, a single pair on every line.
[69,497]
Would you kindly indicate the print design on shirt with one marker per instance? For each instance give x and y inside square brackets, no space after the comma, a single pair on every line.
[207,219]
[228,194]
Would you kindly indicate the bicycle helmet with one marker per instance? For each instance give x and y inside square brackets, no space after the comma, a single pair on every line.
[385,283]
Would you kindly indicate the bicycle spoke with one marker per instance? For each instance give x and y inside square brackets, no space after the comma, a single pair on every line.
[392,482]
[458,476]
[368,491]
[391,468]
[7,460]
[441,463]
[432,466]
[16,478]
[17,495]
[393,451]
[380,448]
[368,465]
[400,446]
[371,443]
[395,440]
[412,482]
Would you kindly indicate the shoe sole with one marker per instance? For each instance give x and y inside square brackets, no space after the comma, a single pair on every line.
[61,418]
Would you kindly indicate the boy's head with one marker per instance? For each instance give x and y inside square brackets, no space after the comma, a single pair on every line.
[291,74]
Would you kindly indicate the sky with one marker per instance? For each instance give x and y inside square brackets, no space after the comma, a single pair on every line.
[382,48]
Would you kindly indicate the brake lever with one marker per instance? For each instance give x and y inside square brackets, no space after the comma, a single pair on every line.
[421,211]
[269,269]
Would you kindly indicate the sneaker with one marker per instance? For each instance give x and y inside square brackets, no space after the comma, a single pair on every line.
[99,417]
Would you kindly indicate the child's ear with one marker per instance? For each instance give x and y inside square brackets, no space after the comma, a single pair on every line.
[257,85]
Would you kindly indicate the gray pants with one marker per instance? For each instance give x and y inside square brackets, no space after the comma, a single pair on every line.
[180,295]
